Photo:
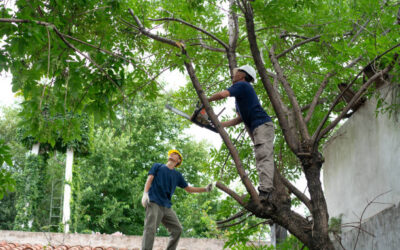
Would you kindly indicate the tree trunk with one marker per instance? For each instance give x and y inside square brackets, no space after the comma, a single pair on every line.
[320,234]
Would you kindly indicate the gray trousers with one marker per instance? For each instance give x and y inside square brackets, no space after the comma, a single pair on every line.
[154,215]
[264,151]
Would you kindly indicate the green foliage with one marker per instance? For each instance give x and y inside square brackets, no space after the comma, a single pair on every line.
[335,224]
[389,105]
[61,88]
[30,194]
[7,183]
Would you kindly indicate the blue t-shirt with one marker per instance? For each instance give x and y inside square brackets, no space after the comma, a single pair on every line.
[164,184]
[248,105]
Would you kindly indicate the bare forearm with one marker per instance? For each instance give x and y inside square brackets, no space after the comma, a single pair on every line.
[190,189]
[218,96]
[232,122]
[148,183]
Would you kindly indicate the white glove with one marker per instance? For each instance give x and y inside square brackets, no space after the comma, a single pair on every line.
[209,187]
[145,199]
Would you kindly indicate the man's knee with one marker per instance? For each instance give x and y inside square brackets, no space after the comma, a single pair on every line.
[177,230]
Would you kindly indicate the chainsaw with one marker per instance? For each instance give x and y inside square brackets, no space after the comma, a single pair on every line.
[199,116]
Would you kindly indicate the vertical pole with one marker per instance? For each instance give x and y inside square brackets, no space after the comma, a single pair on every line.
[34,151]
[278,234]
[67,190]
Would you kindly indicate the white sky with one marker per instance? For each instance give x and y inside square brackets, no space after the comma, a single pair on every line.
[6,96]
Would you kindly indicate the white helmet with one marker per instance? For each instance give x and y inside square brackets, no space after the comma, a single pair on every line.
[249,70]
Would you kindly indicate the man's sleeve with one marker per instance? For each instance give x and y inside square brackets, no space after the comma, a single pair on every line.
[154,169]
[235,90]
[181,182]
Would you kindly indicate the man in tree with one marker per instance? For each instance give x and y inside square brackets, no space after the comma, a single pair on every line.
[158,190]
[257,121]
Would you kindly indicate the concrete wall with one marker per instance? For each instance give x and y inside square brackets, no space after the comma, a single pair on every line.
[385,228]
[94,240]
[362,162]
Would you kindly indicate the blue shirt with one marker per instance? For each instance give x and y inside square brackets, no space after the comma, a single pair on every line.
[164,184]
[248,105]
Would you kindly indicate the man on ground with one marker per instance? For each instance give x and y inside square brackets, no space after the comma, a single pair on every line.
[158,190]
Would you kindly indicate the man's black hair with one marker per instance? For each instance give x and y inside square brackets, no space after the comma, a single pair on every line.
[247,77]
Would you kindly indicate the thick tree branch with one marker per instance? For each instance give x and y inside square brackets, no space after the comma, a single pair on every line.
[230,192]
[190,25]
[233,25]
[145,32]
[233,33]
[288,132]
[290,93]
[316,38]
[302,197]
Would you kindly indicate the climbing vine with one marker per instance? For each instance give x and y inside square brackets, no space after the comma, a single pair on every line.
[30,194]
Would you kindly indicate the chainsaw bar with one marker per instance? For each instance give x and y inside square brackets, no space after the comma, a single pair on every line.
[208,124]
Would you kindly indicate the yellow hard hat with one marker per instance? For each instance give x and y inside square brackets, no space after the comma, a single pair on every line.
[177,152]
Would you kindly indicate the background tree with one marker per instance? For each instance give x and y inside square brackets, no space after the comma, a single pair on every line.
[96,54]
[110,178]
